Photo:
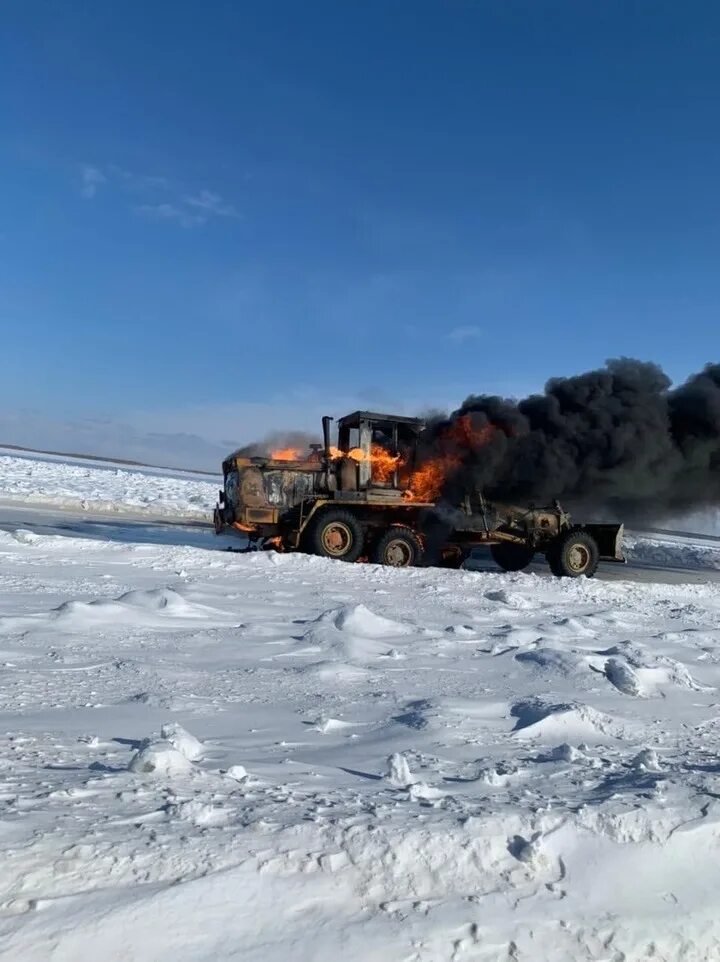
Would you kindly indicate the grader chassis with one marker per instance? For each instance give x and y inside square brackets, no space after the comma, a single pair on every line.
[331,503]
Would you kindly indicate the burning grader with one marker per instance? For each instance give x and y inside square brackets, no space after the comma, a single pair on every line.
[368,498]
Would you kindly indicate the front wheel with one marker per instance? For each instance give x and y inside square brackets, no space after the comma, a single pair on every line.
[337,534]
[511,557]
[575,554]
[399,547]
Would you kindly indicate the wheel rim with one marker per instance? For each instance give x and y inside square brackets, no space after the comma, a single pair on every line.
[398,553]
[337,539]
[578,557]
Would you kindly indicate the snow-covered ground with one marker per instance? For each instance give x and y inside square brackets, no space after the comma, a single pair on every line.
[208,756]
[74,483]
[673,551]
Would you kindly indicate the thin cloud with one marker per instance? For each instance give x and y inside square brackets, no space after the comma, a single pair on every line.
[468,333]
[133,181]
[187,209]
[92,178]
[170,212]
[212,203]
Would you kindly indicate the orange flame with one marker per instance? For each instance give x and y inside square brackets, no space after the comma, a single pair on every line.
[382,462]
[427,482]
[286,454]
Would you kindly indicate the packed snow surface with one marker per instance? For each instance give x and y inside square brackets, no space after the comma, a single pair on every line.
[208,755]
[89,486]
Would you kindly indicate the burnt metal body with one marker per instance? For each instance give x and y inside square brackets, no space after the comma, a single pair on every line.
[277,499]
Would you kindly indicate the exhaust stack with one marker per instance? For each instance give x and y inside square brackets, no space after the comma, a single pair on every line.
[326,435]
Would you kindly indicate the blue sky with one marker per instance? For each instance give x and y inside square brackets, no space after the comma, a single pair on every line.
[224,218]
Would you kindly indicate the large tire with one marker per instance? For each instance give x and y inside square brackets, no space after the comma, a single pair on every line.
[575,554]
[399,547]
[337,534]
[511,557]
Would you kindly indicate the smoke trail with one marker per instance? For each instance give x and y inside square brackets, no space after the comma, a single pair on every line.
[618,438]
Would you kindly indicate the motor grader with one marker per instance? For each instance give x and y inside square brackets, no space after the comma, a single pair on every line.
[363,499]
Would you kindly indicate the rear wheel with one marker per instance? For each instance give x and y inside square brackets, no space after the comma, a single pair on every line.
[399,547]
[337,534]
[574,555]
[511,557]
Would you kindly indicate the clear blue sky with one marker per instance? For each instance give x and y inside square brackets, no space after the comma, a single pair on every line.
[222,217]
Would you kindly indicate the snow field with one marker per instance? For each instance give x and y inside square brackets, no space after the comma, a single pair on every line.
[74,484]
[274,756]
[108,488]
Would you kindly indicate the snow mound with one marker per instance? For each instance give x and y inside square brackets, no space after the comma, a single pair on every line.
[141,607]
[364,623]
[636,670]
[398,771]
[159,758]
[554,661]
[569,625]
[571,722]
[156,599]
[23,536]
[562,753]
[354,634]
[237,773]
[623,677]
[197,812]
[647,761]
[511,599]
[326,725]
[183,741]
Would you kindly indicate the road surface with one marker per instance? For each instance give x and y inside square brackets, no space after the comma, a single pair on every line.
[134,529]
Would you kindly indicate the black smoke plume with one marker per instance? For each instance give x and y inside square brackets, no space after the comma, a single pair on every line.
[617,439]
